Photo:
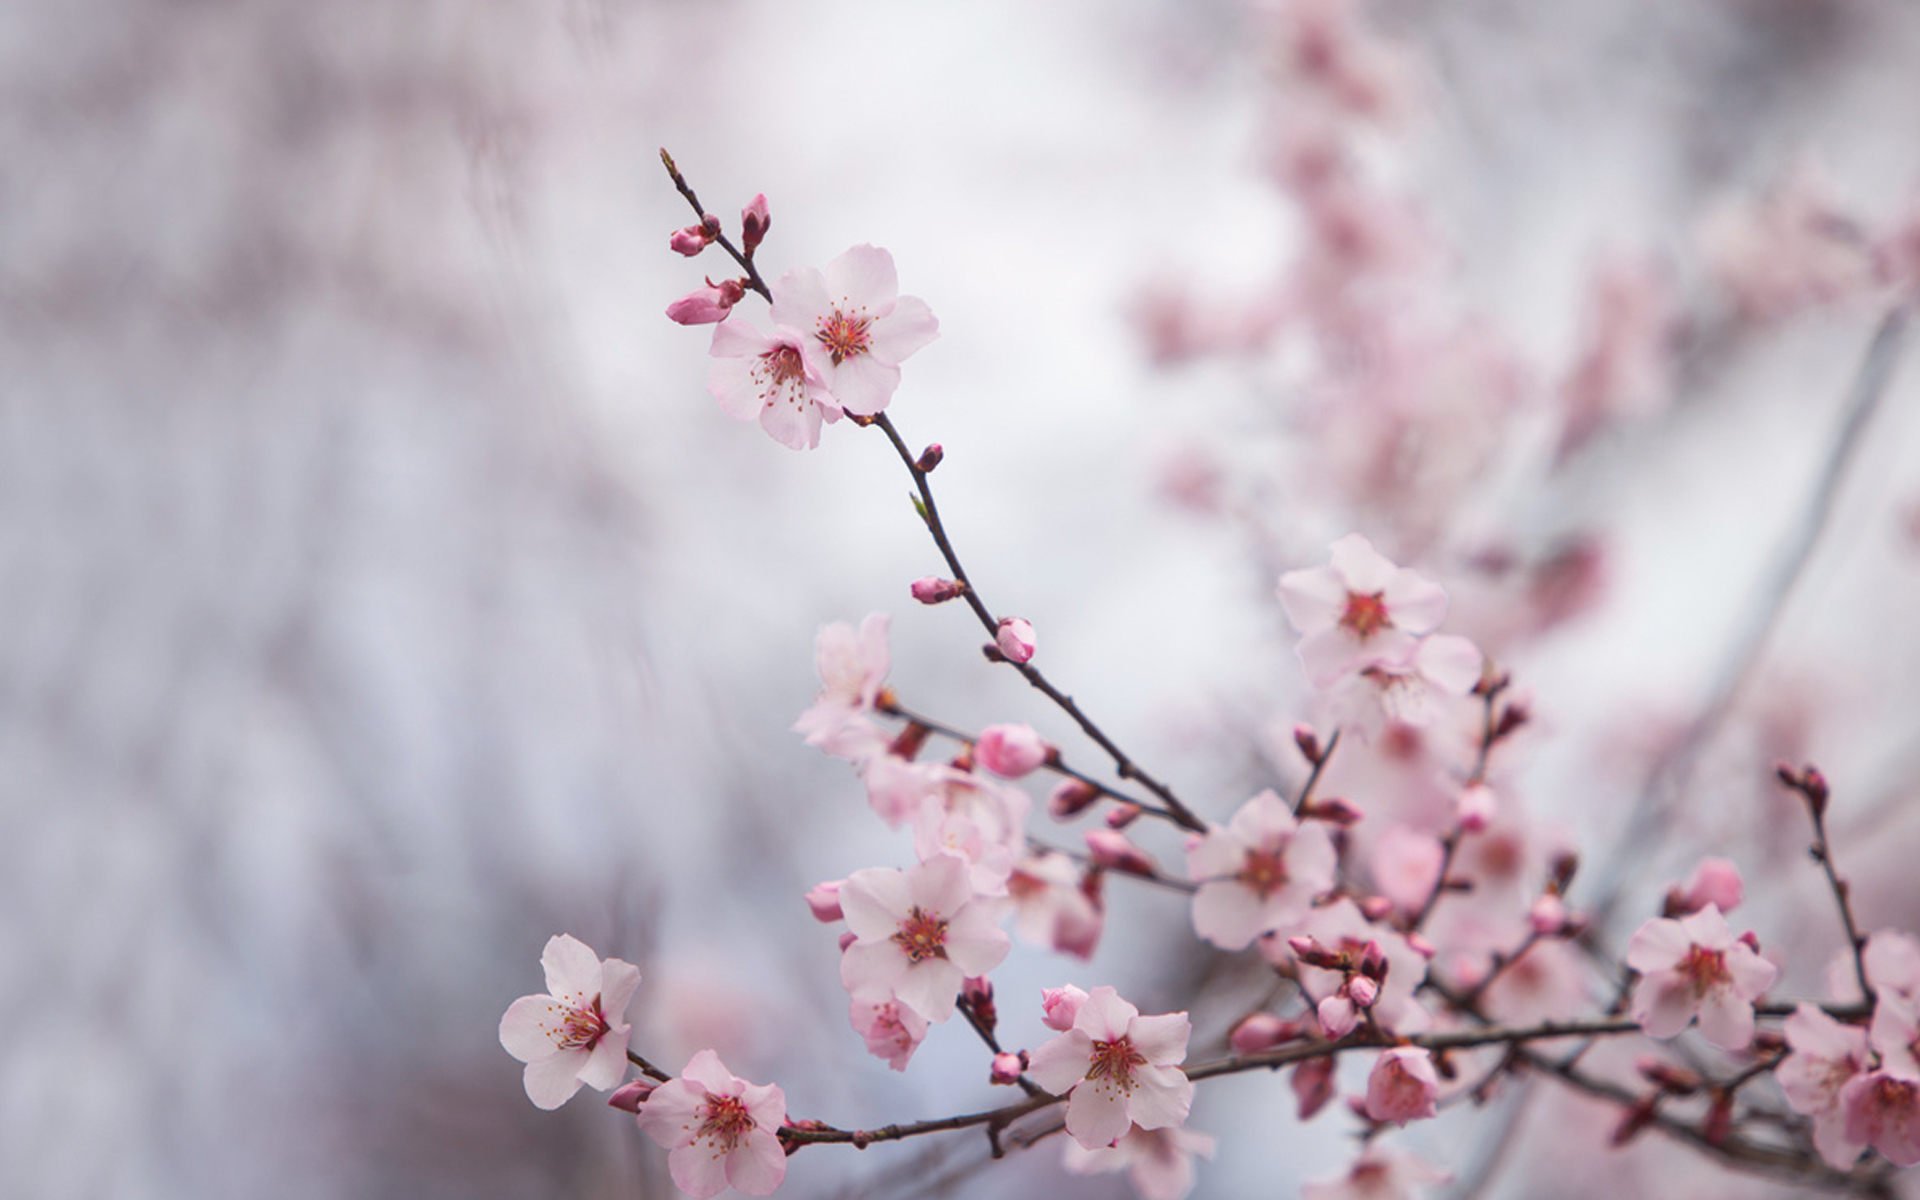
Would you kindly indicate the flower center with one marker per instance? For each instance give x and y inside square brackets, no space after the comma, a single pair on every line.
[724,1119]
[582,1026]
[783,364]
[922,936]
[844,336]
[1115,1060]
[1704,969]
[1264,872]
[1366,614]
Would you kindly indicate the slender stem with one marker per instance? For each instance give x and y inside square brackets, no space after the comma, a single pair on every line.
[1157,879]
[1124,766]
[1450,844]
[648,1069]
[1823,851]
[1313,777]
[745,260]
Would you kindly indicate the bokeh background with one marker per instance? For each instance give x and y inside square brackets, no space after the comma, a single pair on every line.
[383,593]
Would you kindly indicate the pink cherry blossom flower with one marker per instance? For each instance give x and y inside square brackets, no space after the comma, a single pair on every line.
[858,326]
[770,377]
[1359,612]
[1695,967]
[1827,1056]
[1113,850]
[1379,1175]
[574,1034]
[853,672]
[1121,1068]
[1258,873]
[1051,905]
[1159,1162]
[918,934]
[1883,1111]
[693,239]
[975,817]
[891,1029]
[1342,930]
[1014,638]
[1403,1086]
[1011,751]
[1312,1084]
[1006,1069]
[720,1131]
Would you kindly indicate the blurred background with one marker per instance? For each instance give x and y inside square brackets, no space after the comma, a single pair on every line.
[384,593]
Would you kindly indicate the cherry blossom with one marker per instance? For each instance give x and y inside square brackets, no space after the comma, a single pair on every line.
[1379,1175]
[1695,967]
[1159,1162]
[853,671]
[891,1029]
[1258,873]
[1341,930]
[1361,611]
[1121,1068]
[1052,906]
[977,818]
[1013,636]
[1061,1007]
[918,934]
[720,1131]
[706,305]
[574,1034]
[1827,1055]
[773,378]
[1402,1086]
[1011,751]
[858,327]
[1714,881]
[1412,691]
[1883,1111]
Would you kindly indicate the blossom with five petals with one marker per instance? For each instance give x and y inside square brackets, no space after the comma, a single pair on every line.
[853,672]
[1696,966]
[1159,1162]
[574,1034]
[918,934]
[1360,611]
[773,378]
[1258,873]
[857,326]
[720,1131]
[1122,1069]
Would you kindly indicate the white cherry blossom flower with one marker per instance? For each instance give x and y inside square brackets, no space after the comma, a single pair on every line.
[1360,611]
[918,934]
[858,326]
[574,1034]
[1122,1069]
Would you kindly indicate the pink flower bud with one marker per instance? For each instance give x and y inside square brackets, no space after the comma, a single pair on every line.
[1375,908]
[1007,1068]
[1014,638]
[1122,815]
[824,900]
[1362,991]
[1062,1005]
[1337,1015]
[1312,1083]
[929,458]
[847,939]
[1010,751]
[628,1097]
[977,991]
[691,240]
[1261,1031]
[1335,811]
[1071,798]
[1309,743]
[1548,916]
[1715,881]
[754,223]
[707,305]
[1421,946]
[1111,849]
[1474,807]
[935,590]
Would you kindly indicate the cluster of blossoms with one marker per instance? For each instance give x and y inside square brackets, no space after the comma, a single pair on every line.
[1335,903]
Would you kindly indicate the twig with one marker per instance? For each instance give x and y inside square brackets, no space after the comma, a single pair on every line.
[745,260]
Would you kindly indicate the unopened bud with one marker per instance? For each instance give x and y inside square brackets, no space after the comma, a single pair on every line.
[847,939]
[1071,798]
[977,991]
[1375,908]
[1565,864]
[1512,717]
[1111,849]
[1261,1031]
[1752,940]
[935,590]
[824,900]
[1548,916]
[1014,638]
[1362,991]
[707,305]
[929,458]
[1122,815]
[1336,810]
[1421,946]
[628,1097]
[1474,807]
[1061,1006]
[1011,751]
[1667,1077]
[754,223]
[1007,1068]
[691,240]
[1312,1084]
[1309,743]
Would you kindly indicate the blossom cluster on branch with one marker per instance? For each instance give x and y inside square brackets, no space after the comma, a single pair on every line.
[1427,926]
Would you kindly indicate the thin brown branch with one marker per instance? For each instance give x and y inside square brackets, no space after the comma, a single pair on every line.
[753,279]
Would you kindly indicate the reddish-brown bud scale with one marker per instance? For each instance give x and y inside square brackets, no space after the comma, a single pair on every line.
[929,458]
[907,743]
[1309,743]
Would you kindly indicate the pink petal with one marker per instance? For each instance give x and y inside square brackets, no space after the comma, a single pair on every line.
[1061,1062]
[1417,604]
[1726,1020]
[863,384]
[697,1171]
[800,299]
[1453,664]
[1228,914]
[552,1081]
[606,1063]
[909,327]
[1662,1005]
[706,1069]
[528,1030]
[864,275]
[1328,654]
[1161,1039]
[875,900]
[1658,945]
[573,971]
[1097,1113]
[619,979]
[1364,569]
[1162,1096]
[1105,1016]
[759,1165]
[1315,599]
[929,987]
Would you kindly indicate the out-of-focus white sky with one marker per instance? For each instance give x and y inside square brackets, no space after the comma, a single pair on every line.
[384,593]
